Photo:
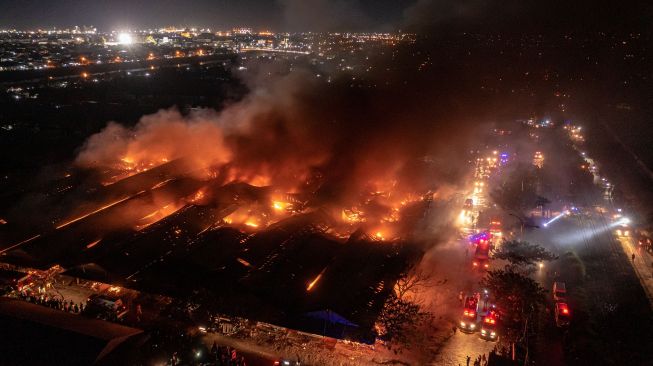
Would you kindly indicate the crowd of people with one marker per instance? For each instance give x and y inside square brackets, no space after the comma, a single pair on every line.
[498,353]
[226,356]
[478,361]
[52,302]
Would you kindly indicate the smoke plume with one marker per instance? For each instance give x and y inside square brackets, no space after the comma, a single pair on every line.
[355,132]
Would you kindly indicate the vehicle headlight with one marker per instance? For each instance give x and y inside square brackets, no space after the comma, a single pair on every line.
[462,324]
[493,334]
[472,326]
[482,331]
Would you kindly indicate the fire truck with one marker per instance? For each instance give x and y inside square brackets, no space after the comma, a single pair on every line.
[645,243]
[562,314]
[470,313]
[561,311]
[481,258]
[495,228]
[489,326]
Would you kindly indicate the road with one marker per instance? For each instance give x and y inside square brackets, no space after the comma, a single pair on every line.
[461,345]
[455,256]
[93,70]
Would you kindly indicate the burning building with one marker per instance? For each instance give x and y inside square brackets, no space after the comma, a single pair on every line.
[303,196]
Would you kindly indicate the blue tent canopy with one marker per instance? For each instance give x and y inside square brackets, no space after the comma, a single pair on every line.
[331,317]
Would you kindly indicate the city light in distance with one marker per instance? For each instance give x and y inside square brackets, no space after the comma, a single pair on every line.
[125,38]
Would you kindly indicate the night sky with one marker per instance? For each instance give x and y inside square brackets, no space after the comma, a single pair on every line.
[330,15]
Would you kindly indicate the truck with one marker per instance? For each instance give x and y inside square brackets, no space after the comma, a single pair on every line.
[470,312]
[562,314]
[481,255]
[561,310]
[495,228]
[489,326]
[559,292]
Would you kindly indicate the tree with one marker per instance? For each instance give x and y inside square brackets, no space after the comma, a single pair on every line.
[541,202]
[401,323]
[520,253]
[518,192]
[412,283]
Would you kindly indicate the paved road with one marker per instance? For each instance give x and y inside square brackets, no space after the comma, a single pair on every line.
[461,345]
[452,258]
[455,257]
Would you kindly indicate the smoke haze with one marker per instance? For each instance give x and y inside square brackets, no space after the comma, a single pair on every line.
[294,127]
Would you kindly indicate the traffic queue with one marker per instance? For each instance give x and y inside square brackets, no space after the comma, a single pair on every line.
[479,315]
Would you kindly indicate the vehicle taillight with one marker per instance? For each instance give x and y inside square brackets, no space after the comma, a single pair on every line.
[486,265]
[475,264]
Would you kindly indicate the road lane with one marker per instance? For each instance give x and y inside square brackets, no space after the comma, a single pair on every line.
[459,346]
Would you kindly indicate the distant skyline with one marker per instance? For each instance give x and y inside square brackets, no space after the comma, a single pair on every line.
[329,15]
[276,15]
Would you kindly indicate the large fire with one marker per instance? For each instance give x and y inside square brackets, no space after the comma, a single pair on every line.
[302,154]
[158,214]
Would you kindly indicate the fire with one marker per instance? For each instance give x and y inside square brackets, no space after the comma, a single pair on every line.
[199,195]
[315,280]
[259,181]
[352,215]
[244,262]
[245,217]
[20,243]
[92,244]
[161,184]
[378,213]
[158,215]
[280,206]
[393,216]
[97,211]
